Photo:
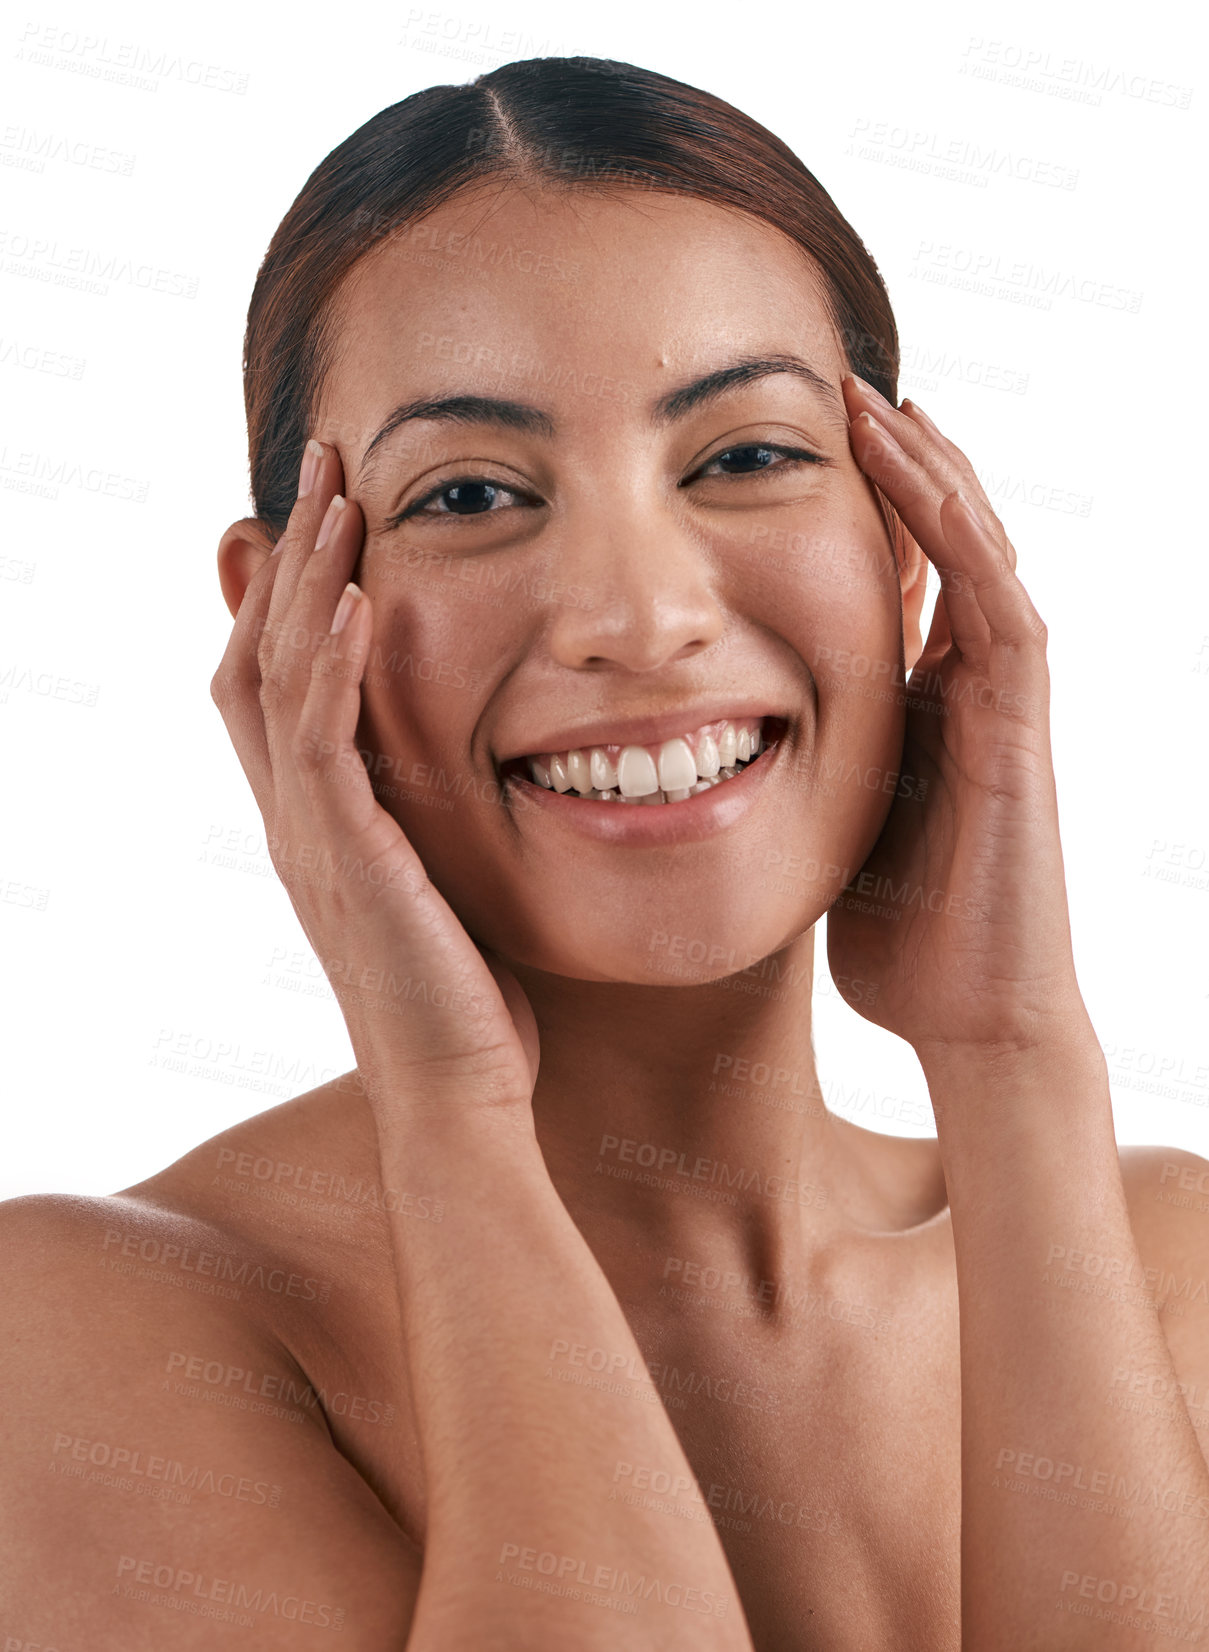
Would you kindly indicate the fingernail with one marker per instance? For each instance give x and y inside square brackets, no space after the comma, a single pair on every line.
[919,412]
[311,456]
[349,599]
[874,427]
[330,518]
[966,510]
[869,390]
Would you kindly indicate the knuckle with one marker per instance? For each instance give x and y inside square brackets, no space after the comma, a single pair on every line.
[266,649]
[310,746]
[275,681]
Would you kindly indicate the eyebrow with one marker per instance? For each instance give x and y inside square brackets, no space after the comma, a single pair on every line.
[676,404]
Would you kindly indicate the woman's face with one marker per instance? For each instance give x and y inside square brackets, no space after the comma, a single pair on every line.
[641,564]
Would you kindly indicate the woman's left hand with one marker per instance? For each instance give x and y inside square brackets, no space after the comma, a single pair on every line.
[959,914]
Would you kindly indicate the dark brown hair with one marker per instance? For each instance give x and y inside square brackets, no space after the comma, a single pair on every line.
[556,122]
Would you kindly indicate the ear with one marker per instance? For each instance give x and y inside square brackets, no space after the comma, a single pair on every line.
[913,580]
[244,547]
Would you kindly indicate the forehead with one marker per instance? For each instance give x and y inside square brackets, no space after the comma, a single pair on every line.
[507,283]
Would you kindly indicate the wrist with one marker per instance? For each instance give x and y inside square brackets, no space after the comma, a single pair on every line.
[457,1138]
[1054,1088]
[1030,1042]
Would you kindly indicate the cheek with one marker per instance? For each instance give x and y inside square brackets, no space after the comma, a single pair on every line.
[435,656]
[826,557]
[830,589]
[835,599]
[437,639]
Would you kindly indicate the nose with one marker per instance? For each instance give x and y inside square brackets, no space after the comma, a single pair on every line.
[645,590]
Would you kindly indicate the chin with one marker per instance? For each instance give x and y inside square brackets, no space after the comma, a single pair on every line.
[677,945]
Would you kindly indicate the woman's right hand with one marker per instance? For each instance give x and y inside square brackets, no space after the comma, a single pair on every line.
[434,1021]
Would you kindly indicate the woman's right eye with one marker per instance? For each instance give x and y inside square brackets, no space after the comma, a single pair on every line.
[466,496]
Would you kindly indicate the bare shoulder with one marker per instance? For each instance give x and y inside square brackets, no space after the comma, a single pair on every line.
[140,1507]
[1167,1190]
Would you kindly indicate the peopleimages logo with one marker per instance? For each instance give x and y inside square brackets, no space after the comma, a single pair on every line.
[973,269]
[218,1265]
[1035,68]
[612,1579]
[43,259]
[962,160]
[195,1588]
[122,61]
[130,1464]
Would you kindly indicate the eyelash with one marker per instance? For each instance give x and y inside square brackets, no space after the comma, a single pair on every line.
[795,456]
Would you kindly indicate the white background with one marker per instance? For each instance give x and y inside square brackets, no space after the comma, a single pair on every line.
[1073,378]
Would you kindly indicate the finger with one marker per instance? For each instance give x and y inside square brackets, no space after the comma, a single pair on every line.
[329,789]
[955,469]
[978,584]
[312,571]
[323,751]
[939,640]
[322,785]
[318,571]
[252,649]
[956,456]
[302,659]
[912,494]
[320,479]
[990,579]
[919,437]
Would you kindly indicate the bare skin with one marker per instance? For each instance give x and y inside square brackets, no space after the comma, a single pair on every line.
[853,1540]
[816,1308]
[828,1556]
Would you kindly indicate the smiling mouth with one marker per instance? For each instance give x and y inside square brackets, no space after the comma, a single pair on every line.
[669,772]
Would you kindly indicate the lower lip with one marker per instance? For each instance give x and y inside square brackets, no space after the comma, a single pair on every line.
[646,826]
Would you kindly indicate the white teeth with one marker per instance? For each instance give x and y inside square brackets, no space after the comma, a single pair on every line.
[707,756]
[679,770]
[636,773]
[677,766]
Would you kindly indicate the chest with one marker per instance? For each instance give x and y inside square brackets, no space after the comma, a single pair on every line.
[836,1490]
[828,1462]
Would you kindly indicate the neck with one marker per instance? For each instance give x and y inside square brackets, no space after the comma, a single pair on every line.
[684,1127]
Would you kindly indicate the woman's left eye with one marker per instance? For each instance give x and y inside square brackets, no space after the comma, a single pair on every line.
[751,458]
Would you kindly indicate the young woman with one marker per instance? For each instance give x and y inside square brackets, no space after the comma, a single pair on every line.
[577,672]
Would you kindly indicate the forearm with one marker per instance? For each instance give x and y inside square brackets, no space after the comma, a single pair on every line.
[1059,1487]
[529,1390]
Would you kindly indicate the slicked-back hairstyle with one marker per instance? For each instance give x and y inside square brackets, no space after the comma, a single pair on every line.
[574,123]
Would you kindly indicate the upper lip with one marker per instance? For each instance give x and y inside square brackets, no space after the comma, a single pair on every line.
[642,731]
